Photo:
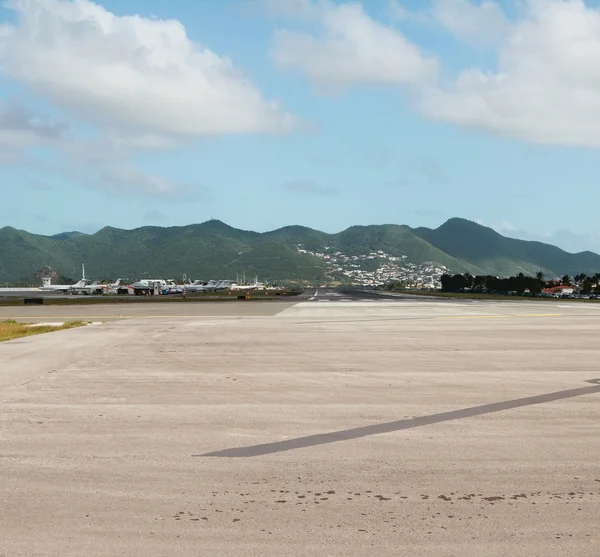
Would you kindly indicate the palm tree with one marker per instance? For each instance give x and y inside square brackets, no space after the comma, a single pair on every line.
[566,280]
[539,276]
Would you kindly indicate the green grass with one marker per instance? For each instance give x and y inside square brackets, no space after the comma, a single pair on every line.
[10,330]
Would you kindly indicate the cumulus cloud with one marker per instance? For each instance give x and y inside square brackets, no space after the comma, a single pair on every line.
[310,187]
[478,23]
[350,48]
[21,128]
[125,178]
[547,85]
[397,11]
[144,76]
[544,88]
[98,165]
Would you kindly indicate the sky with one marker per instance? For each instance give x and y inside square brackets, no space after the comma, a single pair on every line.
[323,113]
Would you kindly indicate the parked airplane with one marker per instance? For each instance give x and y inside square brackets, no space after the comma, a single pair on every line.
[114,284]
[225,285]
[197,286]
[246,287]
[47,285]
[93,288]
[98,288]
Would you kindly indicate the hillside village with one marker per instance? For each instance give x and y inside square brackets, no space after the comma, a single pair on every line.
[377,268]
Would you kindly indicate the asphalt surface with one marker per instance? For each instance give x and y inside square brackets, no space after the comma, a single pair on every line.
[174,310]
[340,427]
[143,310]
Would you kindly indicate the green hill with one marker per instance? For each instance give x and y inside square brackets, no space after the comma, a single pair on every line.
[208,250]
[215,250]
[492,253]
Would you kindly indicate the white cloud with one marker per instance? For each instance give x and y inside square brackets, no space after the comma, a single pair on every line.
[310,187]
[144,76]
[482,23]
[351,48]
[398,11]
[21,128]
[97,164]
[124,178]
[547,86]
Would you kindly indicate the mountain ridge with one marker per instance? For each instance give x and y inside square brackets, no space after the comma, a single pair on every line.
[215,249]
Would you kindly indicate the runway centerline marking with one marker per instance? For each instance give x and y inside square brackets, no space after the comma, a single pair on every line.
[399,425]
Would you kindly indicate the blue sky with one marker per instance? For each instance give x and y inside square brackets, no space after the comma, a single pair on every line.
[324,113]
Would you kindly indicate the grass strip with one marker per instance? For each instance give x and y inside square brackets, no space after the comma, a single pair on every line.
[10,330]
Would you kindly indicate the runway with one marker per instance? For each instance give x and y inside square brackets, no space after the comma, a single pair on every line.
[142,310]
[354,426]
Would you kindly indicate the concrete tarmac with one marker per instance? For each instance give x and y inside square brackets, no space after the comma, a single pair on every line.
[345,427]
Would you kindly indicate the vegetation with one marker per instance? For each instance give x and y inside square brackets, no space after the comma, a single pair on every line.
[10,330]
[518,284]
[490,284]
[492,254]
[216,250]
[480,296]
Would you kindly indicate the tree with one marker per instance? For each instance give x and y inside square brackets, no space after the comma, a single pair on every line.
[539,275]
[588,283]
[566,280]
[454,283]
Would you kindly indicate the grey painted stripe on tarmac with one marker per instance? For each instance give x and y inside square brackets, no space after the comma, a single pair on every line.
[390,427]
